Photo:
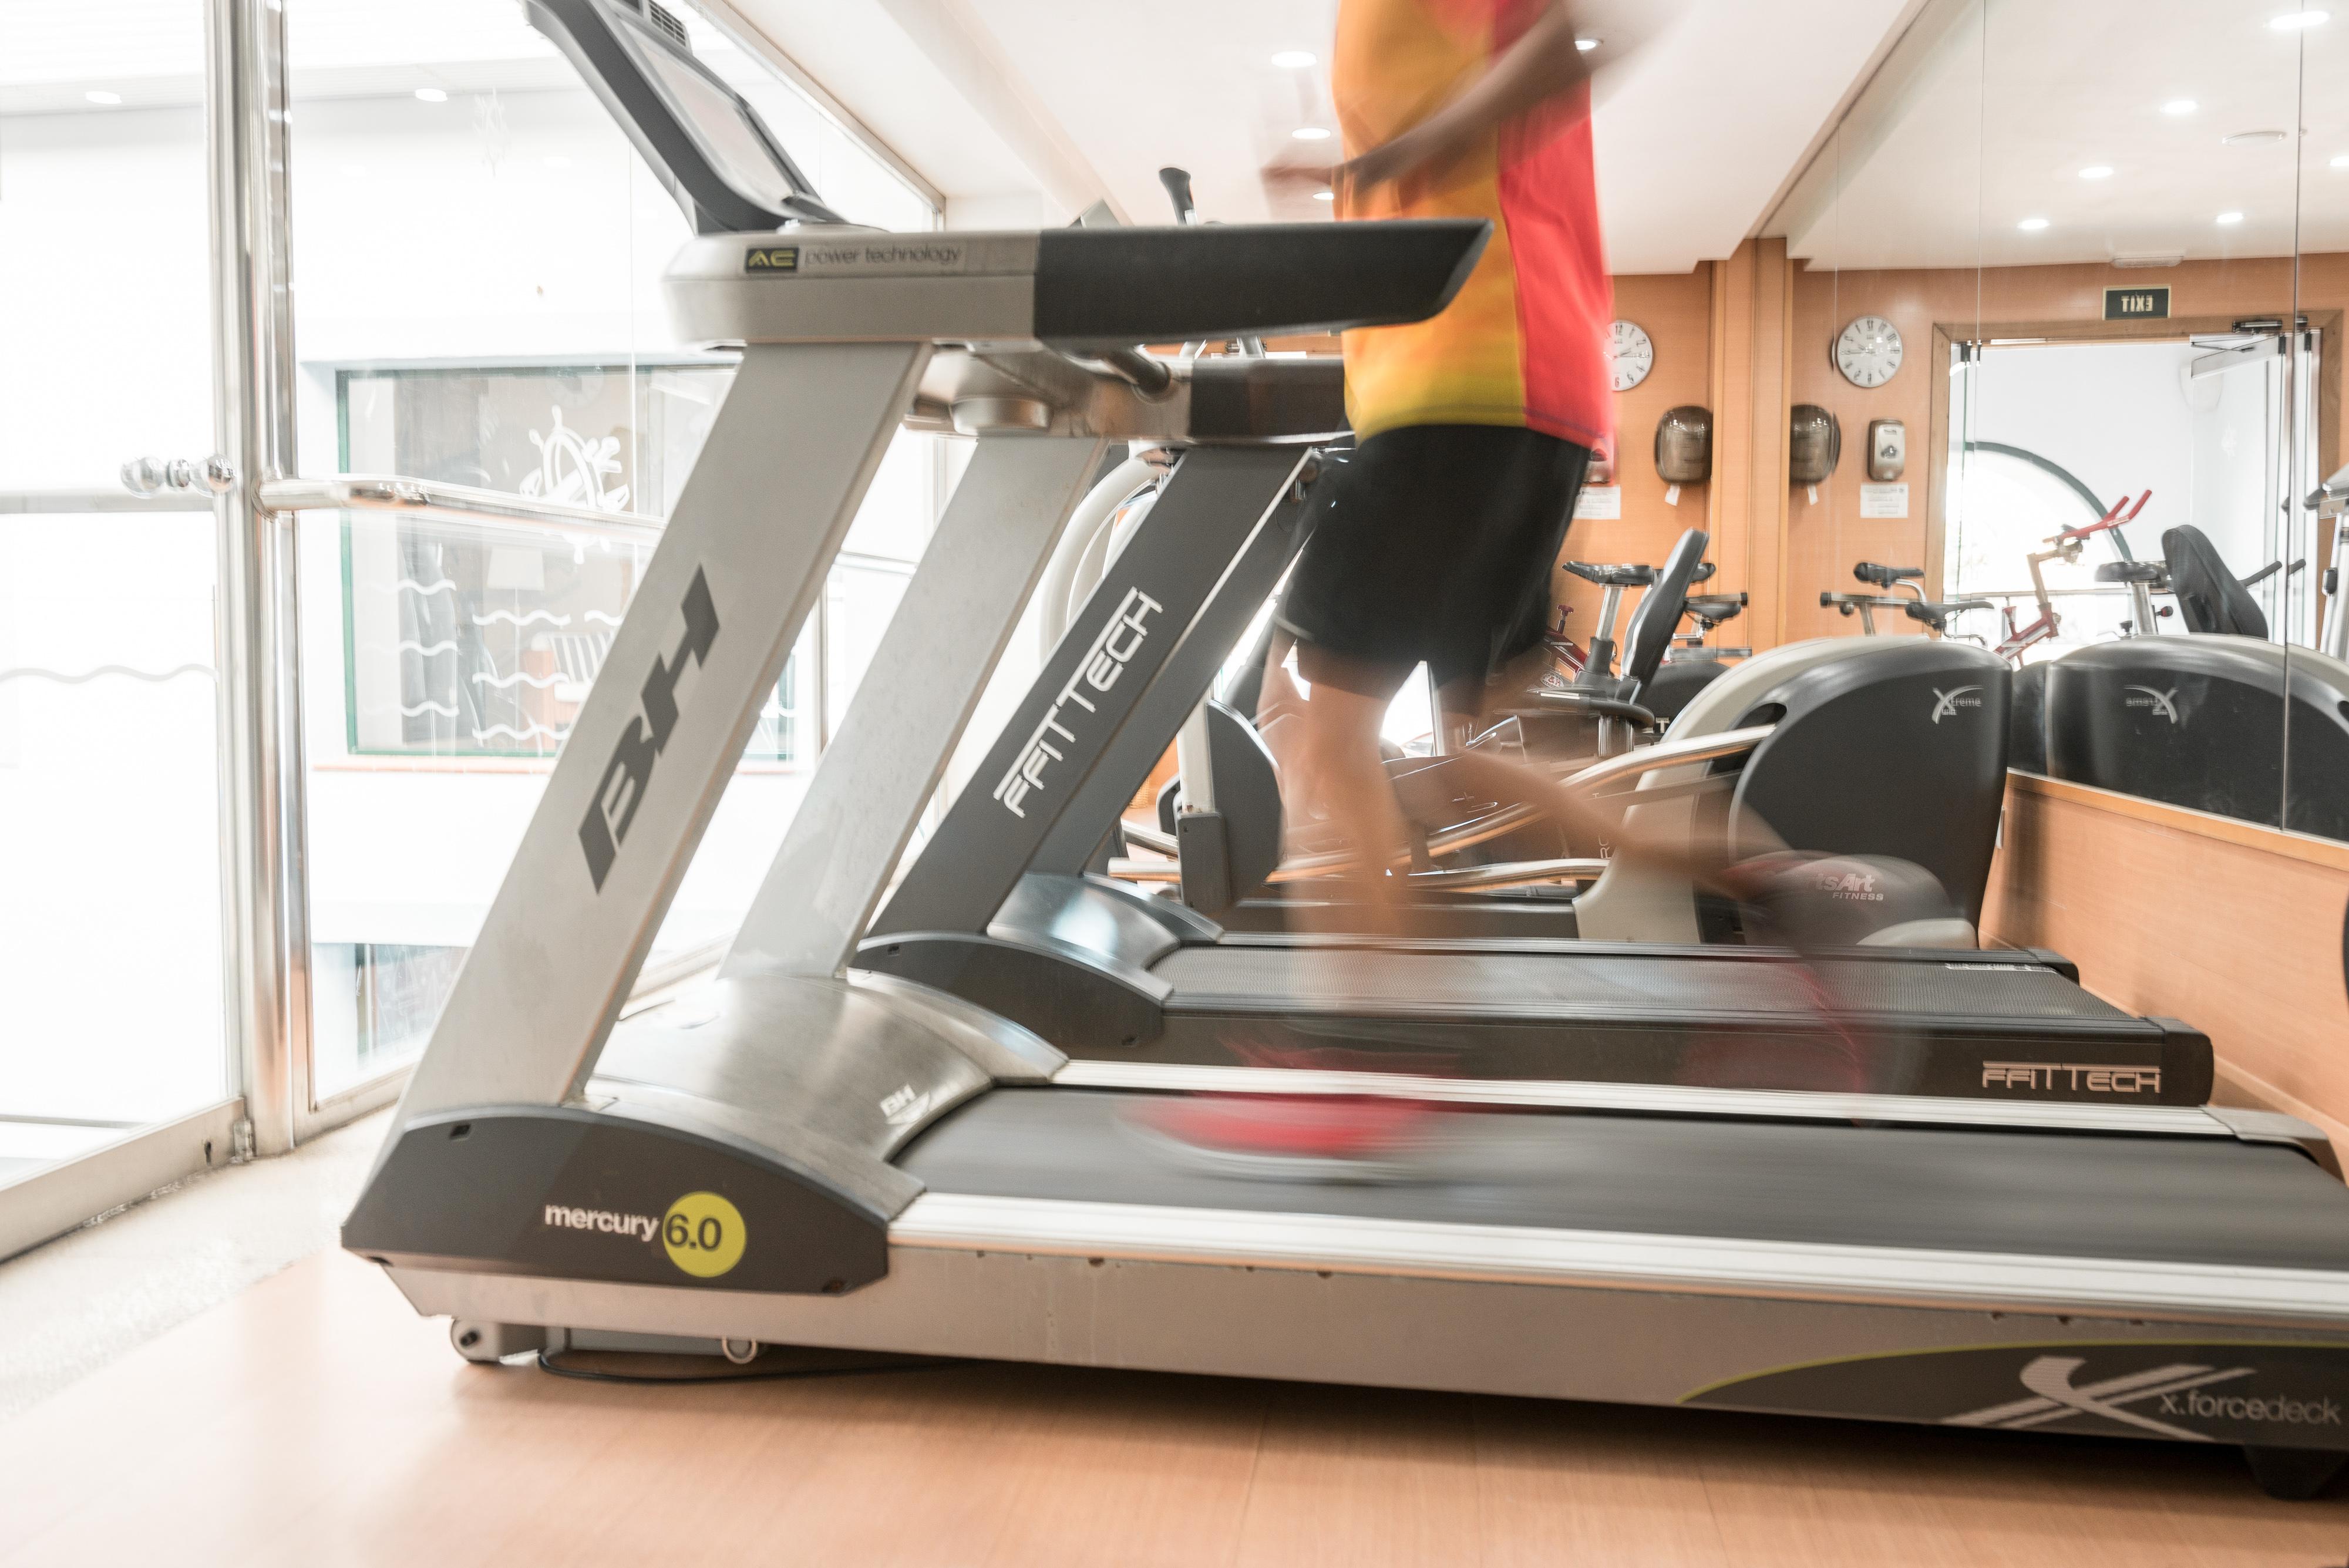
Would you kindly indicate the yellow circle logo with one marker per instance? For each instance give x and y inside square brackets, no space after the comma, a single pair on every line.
[704,1234]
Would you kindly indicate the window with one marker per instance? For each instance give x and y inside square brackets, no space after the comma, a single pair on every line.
[508,334]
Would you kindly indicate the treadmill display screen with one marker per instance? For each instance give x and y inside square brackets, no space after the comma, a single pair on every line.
[722,127]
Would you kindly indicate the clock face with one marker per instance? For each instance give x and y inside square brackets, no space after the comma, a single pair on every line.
[1869,352]
[1634,355]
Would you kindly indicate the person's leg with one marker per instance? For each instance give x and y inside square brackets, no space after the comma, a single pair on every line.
[1588,827]
[1347,776]
[1495,620]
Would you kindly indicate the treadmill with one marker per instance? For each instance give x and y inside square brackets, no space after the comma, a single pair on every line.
[802,1154]
[1004,908]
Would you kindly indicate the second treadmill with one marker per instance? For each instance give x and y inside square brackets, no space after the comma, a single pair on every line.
[999,909]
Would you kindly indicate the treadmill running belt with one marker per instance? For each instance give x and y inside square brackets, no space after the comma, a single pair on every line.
[2188,1199]
[1371,980]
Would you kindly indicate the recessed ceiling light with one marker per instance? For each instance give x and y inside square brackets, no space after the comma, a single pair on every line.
[2294,21]
[1587,45]
[2228,220]
[2253,138]
[2098,171]
[432,95]
[1325,195]
[556,161]
[2180,106]
[105,98]
[1292,59]
[2032,225]
[1310,133]
[2341,161]
[351,171]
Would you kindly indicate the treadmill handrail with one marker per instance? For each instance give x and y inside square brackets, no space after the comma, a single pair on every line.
[1509,874]
[1669,753]
[1591,781]
[1465,878]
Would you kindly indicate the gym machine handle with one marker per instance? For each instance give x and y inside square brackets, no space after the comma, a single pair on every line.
[1580,700]
[2270,570]
[1622,577]
[1137,368]
[1630,574]
[1935,613]
[1178,190]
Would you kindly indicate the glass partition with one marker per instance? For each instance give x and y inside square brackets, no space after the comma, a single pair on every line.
[2316,718]
[2065,336]
[1881,234]
[111,942]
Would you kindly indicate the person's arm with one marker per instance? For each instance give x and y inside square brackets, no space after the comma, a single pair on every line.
[1541,65]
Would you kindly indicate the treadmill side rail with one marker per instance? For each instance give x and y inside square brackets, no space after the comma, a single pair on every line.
[2274,1127]
[969,1278]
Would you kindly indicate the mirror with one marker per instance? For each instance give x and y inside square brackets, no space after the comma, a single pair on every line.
[2071,281]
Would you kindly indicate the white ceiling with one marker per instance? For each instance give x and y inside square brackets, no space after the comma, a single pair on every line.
[1081,99]
[1988,113]
[1023,111]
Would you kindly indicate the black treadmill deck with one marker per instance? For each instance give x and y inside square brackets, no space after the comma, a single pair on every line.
[2207,1200]
[1961,1028]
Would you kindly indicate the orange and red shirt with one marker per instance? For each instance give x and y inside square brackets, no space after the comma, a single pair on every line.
[1524,341]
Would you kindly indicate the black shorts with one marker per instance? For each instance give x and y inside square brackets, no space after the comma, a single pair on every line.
[1435,543]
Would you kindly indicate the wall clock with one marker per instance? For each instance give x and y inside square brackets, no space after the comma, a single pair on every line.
[1634,355]
[1868,351]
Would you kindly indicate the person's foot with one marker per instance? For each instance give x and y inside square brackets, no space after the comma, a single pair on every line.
[1294,1138]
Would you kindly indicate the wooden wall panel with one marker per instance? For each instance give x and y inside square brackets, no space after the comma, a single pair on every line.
[1824,540]
[2238,929]
[1753,323]
[1676,312]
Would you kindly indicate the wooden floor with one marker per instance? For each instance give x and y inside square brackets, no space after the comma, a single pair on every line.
[314,1420]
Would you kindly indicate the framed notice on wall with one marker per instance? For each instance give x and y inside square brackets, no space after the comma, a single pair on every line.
[1884,501]
[1599,501]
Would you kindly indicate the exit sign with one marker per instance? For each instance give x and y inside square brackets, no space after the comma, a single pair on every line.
[2137,304]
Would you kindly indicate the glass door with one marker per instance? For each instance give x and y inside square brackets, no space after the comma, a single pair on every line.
[116,1073]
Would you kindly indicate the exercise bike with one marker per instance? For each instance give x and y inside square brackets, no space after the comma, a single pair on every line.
[1934,614]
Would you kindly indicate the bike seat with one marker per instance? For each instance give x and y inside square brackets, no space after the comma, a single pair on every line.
[1885,577]
[1621,577]
[2132,572]
[1712,609]
[1935,613]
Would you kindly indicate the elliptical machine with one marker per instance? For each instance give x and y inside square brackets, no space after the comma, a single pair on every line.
[2222,719]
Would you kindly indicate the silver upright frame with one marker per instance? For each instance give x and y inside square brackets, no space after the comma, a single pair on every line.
[780,478]
[266,936]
